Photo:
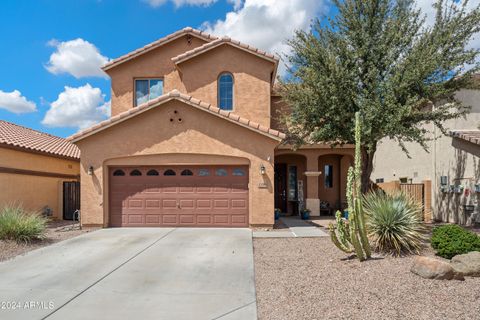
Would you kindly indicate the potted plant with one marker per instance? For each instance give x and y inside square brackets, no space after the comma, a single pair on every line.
[277,213]
[305,214]
[458,189]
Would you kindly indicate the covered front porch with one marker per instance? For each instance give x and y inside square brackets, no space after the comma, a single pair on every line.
[312,177]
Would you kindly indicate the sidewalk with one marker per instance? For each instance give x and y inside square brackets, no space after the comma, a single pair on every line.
[297,228]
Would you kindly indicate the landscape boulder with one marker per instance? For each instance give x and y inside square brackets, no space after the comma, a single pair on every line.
[467,264]
[430,268]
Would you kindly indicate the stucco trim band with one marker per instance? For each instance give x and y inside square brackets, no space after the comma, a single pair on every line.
[38,173]
[176,95]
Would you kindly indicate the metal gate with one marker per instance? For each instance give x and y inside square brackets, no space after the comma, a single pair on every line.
[71,199]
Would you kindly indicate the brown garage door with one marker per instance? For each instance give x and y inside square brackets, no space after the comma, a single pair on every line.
[190,196]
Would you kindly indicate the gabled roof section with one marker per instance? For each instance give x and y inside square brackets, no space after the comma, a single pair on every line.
[160,42]
[472,136]
[226,41]
[18,137]
[189,100]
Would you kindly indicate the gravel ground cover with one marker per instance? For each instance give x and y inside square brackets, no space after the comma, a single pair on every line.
[309,278]
[56,231]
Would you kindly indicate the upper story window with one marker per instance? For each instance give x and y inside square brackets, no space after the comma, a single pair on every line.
[147,89]
[225,91]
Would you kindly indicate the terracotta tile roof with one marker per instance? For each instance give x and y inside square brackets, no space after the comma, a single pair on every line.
[220,41]
[472,136]
[175,94]
[158,43]
[20,137]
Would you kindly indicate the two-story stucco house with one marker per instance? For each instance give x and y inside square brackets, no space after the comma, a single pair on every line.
[193,140]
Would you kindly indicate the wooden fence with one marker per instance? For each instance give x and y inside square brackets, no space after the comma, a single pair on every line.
[421,192]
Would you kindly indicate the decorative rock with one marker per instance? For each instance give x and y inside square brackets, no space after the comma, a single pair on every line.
[467,264]
[430,268]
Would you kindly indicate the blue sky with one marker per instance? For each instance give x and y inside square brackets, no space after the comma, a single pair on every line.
[52,50]
[114,27]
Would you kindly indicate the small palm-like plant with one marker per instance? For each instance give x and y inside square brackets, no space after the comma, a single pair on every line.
[20,225]
[394,223]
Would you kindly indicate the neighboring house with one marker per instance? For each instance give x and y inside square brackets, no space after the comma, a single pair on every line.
[38,170]
[193,140]
[452,164]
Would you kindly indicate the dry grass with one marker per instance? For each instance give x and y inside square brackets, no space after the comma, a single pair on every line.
[309,278]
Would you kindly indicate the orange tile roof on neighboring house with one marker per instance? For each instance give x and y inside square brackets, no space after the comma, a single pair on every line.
[153,45]
[189,100]
[228,41]
[15,136]
[472,136]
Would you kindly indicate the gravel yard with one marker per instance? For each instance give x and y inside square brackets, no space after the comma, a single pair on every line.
[56,231]
[308,278]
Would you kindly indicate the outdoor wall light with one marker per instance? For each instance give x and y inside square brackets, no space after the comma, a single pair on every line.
[90,171]
[262,169]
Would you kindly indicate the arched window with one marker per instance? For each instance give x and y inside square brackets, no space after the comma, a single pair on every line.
[118,172]
[169,172]
[238,172]
[152,172]
[135,173]
[186,172]
[221,172]
[225,91]
[203,172]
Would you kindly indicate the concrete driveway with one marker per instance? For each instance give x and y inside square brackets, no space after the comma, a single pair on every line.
[142,273]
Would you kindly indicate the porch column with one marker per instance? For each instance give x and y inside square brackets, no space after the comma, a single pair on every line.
[345,163]
[312,173]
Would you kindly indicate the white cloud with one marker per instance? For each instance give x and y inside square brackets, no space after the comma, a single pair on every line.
[180,3]
[78,57]
[236,3]
[267,24]
[16,103]
[78,108]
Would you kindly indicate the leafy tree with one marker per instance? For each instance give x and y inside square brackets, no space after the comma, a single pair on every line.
[379,57]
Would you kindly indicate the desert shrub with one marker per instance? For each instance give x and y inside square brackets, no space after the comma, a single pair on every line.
[450,240]
[20,225]
[394,223]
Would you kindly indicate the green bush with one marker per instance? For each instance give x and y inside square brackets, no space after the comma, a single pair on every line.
[20,225]
[394,223]
[450,240]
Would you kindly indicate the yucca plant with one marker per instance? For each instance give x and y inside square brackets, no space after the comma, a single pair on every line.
[18,224]
[394,223]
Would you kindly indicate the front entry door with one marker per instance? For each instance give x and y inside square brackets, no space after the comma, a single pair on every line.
[281,186]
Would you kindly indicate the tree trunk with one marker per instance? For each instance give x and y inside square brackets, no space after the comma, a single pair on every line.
[367,167]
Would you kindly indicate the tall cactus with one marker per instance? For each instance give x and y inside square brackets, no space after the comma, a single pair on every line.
[350,236]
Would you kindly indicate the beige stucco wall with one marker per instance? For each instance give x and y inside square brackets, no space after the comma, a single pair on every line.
[34,192]
[151,138]
[198,77]
[154,64]
[452,157]
[278,108]
[251,88]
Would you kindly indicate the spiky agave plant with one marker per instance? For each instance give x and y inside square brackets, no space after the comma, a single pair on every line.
[394,223]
